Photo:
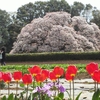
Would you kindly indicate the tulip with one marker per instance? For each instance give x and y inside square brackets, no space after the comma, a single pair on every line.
[40,77]
[71,70]
[68,77]
[96,76]
[7,77]
[58,71]
[35,70]
[27,79]
[1,73]
[17,75]
[91,67]
[70,74]
[52,76]
[45,72]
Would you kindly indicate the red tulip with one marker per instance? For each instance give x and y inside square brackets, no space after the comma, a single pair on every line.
[40,77]
[71,70]
[27,79]
[52,76]
[7,77]
[91,67]
[96,76]
[1,73]
[58,71]
[17,75]
[35,70]
[45,72]
[68,77]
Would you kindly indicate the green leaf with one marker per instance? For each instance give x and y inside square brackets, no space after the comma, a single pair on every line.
[96,95]
[4,98]
[22,96]
[47,98]
[30,96]
[57,98]
[61,95]
[69,95]
[77,98]
[22,85]
[16,98]
[11,97]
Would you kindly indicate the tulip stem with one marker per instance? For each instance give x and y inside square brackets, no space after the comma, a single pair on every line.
[55,91]
[70,88]
[46,81]
[97,86]
[58,84]
[33,83]
[16,87]
[73,89]
[8,90]
[27,93]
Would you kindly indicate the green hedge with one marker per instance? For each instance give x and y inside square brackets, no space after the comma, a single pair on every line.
[54,56]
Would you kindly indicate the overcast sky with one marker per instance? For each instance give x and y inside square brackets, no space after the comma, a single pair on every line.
[13,5]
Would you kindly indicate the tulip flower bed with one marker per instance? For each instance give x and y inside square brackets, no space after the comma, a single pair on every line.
[42,84]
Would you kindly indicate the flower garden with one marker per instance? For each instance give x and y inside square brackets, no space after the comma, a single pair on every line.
[44,84]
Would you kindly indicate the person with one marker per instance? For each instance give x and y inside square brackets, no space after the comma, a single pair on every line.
[0,55]
[3,56]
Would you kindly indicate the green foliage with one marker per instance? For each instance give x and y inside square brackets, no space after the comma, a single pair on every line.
[4,22]
[2,84]
[77,97]
[77,8]
[87,13]
[54,56]
[26,13]
[56,5]
[96,17]
[29,11]
[10,97]
[96,95]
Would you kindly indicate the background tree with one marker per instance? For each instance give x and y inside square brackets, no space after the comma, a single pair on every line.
[10,26]
[28,12]
[14,29]
[25,14]
[87,12]
[76,9]
[39,9]
[96,17]
[5,21]
[57,5]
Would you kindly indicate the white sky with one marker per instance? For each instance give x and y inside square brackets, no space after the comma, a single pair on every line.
[13,5]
